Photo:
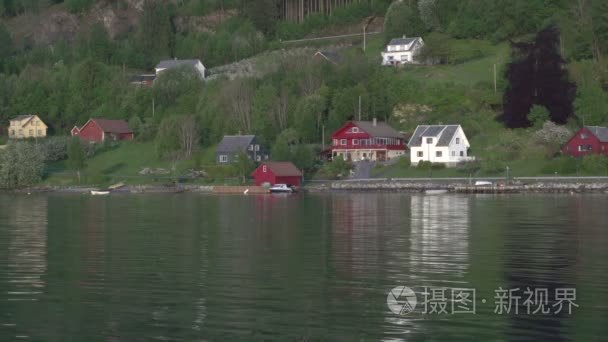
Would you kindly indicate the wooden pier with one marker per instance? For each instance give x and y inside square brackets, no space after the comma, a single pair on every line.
[228,189]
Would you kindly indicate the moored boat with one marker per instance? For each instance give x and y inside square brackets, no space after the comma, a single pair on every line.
[281,188]
[100,192]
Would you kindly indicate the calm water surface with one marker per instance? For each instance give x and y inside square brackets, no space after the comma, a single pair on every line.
[297,268]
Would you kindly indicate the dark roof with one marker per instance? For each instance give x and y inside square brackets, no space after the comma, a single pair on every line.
[403,41]
[113,126]
[283,169]
[142,78]
[381,129]
[332,56]
[444,132]
[235,143]
[600,132]
[22,117]
[173,63]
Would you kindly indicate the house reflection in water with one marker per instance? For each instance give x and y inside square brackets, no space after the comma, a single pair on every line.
[27,247]
[439,237]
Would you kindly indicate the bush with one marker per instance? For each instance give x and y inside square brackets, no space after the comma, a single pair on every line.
[595,164]
[437,166]
[54,148]
[336,169]
[424,165]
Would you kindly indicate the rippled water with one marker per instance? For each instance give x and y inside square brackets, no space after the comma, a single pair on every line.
[296,268]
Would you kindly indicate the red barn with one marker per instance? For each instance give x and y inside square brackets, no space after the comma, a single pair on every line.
[277,173]
[372,140]
[98,130]
[588,140]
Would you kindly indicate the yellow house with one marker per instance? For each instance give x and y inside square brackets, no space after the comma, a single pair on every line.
[27,126]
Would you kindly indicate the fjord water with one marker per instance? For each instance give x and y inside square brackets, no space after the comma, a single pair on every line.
[191,267]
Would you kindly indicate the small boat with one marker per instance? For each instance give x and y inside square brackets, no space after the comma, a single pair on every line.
[281,188]
[435,191]
[483,183]
[100,192]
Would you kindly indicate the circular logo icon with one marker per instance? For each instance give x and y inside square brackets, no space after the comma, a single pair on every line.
[401,300]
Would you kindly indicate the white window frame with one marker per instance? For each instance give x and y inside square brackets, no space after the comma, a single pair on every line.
[355,142]
[457,141]
[264,168]
[439,154]
[420,154]
[354,130]
[343,142]
[223,158]
[429,140]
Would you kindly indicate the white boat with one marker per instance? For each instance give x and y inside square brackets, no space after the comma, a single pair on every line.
[483,183]
[281,188]
[100,192]
[436,191]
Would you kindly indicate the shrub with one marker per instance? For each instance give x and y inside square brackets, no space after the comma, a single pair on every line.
[54,148]
[437,166]
[595,164]
[424,165]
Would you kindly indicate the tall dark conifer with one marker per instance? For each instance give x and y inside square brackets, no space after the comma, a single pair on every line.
[538,76]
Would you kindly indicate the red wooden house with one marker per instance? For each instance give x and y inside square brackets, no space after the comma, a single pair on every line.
[98,130]
[277,173]
[358,140]
[588,140]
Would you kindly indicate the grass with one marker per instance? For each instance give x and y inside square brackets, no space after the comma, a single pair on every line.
[123,162]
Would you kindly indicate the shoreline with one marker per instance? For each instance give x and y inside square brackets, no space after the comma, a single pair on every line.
[370,185]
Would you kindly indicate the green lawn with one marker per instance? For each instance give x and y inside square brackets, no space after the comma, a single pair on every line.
[123,162]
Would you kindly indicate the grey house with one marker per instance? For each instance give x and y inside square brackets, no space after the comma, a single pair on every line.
[232,145]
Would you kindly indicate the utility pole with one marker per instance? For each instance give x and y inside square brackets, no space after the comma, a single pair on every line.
[152,107]
[323,137]
[359,107]
[495,89]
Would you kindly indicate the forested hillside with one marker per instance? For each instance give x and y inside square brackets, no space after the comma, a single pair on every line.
[72,60]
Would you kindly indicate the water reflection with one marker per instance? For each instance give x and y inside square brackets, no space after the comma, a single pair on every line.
[27,249]
[439,251]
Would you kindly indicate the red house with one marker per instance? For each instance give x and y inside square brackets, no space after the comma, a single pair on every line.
[358,140]
[98,130]
[588,140]
[277,173]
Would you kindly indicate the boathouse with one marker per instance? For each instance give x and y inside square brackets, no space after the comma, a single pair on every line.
[277,173]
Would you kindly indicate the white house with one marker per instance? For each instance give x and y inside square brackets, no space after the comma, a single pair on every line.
[176,63]
[439,144]
[402,51]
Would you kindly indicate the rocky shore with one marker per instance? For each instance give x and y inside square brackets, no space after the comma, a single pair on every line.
[458,187]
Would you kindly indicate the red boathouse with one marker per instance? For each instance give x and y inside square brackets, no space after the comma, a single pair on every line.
[277,173]
[588,140]
[98,130]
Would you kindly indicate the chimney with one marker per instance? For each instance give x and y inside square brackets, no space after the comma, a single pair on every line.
[375,122]
[404,37]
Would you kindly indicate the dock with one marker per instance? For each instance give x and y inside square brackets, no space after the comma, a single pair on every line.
[226,189]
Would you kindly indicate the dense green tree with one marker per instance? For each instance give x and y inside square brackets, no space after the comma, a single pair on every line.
[156,36]
[538,115]
[403,19]
[7,50]
[21,164]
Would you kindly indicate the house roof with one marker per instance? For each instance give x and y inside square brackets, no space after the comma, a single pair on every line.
[173,63]
[445,133]
[112,126]
[332,56]
[283,169]
[235,143]
[600,132]
[24,119]
[403,41]
[381,129]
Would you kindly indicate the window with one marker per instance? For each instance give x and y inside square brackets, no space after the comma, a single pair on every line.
[343,142]
[429,140]
[457,140]
[453,153]
[420,154]
[462,153]
[257,147]
[258,158]
[31,132]
[355,130]
[264,168]
[439,154]
[404,58]
[335,142]
[39,132]
[250,147]
[355,141]
[584,136]
[585,148]
[223,158]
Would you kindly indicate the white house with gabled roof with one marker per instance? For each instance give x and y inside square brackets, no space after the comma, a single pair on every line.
[445,144]
[402,51]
